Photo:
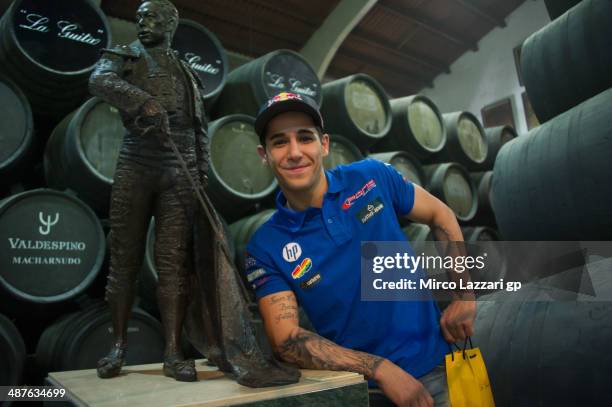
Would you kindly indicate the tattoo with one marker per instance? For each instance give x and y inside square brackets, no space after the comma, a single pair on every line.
[285,316]
[311,351]
[278,298]
[285,307]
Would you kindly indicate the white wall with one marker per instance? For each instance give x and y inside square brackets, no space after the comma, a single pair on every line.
[480,78]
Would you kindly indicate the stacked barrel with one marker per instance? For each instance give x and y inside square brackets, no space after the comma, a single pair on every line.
[449,154]
[553,184]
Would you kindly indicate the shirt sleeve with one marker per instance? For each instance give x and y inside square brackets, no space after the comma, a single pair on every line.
[261,274]
[400,189]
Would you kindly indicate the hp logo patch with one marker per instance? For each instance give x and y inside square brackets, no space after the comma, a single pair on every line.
[291,252]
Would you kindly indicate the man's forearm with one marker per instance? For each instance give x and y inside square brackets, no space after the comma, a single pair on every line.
[445,227]
[311,351]
[447,233]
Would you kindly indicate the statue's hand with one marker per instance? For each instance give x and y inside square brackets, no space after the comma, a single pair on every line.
[152,109]
[153,117]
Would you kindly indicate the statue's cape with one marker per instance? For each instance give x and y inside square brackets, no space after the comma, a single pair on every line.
[218,321]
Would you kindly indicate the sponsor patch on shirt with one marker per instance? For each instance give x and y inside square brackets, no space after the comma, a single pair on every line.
[301,269]
[260,282]
[249,261]
[255,274]
[292,251]
[367,187]
[311,282]
[370,210]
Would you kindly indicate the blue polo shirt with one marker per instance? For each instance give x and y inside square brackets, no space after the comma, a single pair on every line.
[316,254]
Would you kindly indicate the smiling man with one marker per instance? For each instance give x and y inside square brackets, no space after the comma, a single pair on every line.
[309,253]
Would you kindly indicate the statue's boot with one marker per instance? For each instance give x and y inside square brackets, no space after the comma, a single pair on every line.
[181,369]
[110,365]
[172,307]
[120,308]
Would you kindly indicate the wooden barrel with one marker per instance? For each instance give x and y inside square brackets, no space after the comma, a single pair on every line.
[547,353]
[205,54]
[483,241]
[569,60]
[483,185]
[16,131]
[13,353]
[250,85]
[417,127]
[484,215]
[341,151]
[49,49]
[237,177]
[554,182]
[79,340]
[358,107]
[51,247]
[479,234]
[465,144]
[405,163]
[451,183]
[496,137]
[242,231]
[82,153]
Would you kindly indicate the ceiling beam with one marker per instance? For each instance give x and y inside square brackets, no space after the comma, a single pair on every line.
[199,16]
[429,26]
[467,4]
[321,47]
[419,59]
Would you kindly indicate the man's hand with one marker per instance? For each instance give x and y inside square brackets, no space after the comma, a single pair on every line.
[457,320]
[400,387]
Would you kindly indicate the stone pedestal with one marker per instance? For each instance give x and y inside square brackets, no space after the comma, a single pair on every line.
[145,385]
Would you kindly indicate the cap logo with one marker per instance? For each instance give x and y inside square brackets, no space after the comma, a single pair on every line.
[284,96]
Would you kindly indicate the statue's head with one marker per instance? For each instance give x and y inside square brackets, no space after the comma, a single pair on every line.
[156,21]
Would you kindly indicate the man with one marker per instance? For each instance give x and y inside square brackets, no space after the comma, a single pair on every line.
[309,252]
[156,94]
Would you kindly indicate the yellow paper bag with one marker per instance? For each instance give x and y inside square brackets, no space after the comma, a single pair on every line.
[467,378]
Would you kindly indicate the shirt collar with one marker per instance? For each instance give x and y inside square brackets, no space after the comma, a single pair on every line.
[295,219]
[334,182]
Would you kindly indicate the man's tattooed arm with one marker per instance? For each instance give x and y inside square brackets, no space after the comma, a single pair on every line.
[311,351]
[307,349]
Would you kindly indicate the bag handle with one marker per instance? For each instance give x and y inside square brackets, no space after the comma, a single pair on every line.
[469,338]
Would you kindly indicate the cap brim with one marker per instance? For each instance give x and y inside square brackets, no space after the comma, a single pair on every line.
[268,114]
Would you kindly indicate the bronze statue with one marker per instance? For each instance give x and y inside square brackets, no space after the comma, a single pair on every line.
[159,100]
